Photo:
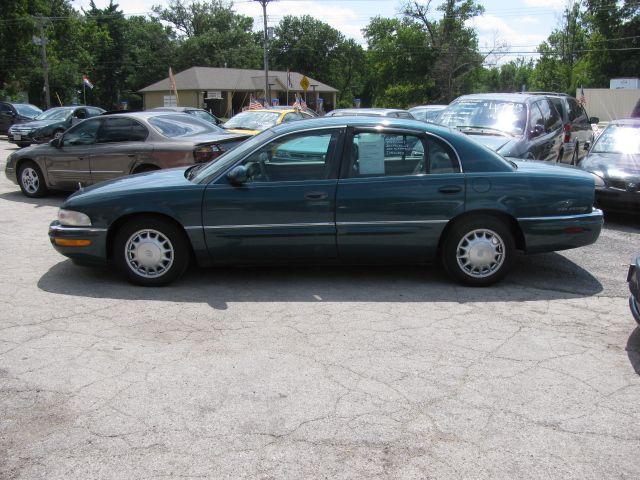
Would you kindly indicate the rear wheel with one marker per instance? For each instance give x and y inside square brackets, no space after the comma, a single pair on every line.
[479,251]
[151,251]
[31,180]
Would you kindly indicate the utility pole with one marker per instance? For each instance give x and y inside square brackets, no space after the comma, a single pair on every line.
[45,65]
[267,93]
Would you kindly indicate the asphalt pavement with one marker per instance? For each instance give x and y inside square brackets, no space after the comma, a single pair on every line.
[341,372]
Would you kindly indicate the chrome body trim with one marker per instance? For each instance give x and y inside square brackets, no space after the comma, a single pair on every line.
[69,171]
[319,224]
[62,228]
[595,214]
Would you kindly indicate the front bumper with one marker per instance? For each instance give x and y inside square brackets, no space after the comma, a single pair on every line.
[94,254]
[617,199]
[550,234]
[633,278]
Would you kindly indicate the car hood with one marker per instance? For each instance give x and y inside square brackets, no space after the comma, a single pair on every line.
[40,123]
[494,142]
[612,165]
[158,180]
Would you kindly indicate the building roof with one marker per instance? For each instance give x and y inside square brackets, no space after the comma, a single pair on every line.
[236,79]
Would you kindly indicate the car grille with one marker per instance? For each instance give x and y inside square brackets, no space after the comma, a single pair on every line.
[21,131]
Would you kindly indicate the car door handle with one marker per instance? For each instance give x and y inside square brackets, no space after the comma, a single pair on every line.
[316,196]
[450,189]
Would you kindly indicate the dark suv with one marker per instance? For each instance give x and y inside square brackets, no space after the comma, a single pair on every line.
[512,124]
[12,113]
[577,134]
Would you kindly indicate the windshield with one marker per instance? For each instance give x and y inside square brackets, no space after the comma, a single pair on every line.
[55,114]
[214,167]
[623,139]
[28,110]
[508,117]
[178,125]
[253,120]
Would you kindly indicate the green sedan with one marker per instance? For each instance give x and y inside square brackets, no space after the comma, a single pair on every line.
[334,190]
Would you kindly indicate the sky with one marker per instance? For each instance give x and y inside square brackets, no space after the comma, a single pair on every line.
[520,24]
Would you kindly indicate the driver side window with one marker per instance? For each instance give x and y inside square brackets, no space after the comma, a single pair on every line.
[82,134]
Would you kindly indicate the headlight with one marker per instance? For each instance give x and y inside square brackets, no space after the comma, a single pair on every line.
[69,218]
[598,180]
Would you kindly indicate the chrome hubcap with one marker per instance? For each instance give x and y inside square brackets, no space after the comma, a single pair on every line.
[30,180]
[480,253]
[149,253]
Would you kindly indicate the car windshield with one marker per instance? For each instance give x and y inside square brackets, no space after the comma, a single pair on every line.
[622,139]
[182,125]
[253,120]
[28,110]
[203,115]
[508,117]
[214,167]
[425,113]
[55,114]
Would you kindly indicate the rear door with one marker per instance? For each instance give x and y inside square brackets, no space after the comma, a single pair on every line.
[397,191]
[119,146]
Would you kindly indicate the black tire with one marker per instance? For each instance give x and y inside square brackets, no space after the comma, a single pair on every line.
[23,144]
[31,180]
[57,133]
[493,255]
[164,245]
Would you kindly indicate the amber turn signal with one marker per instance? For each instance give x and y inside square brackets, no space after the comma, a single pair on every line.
[70,242]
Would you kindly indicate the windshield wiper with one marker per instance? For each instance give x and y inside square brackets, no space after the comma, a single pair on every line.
[483,129]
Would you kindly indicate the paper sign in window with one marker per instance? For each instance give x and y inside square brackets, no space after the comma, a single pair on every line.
[371,155]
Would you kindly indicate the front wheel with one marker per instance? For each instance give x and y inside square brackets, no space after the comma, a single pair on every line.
[31,180]
[151,251]
[57,134]
[479,252]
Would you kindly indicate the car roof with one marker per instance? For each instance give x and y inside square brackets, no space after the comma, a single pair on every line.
[175,109]
[550,94]
[512,97]
[371,111]
[428,107]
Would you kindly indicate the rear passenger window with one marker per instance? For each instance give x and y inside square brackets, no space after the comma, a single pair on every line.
[574,109]
[138,132]
[535,117]
[392,155]
[114,130]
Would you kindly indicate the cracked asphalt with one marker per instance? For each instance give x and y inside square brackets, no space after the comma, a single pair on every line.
[345,373]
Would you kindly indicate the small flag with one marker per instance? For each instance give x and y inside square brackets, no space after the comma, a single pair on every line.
[583,99]
[254,104]
[299,104]
[87,82]
[289,84]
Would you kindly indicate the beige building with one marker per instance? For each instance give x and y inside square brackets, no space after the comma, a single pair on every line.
[225,91]
[610,104]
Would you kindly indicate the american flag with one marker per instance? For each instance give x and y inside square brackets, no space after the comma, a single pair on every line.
[254,104]
[299,104]
[583,99]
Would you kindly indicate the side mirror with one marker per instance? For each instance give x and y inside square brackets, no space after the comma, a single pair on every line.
[238,175]
[586,145]
[594,120]
[537,130]
[56,142]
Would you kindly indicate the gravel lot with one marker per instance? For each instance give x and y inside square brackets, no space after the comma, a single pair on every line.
[270,373]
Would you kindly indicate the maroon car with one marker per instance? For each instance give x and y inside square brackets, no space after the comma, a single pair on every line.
[111,146]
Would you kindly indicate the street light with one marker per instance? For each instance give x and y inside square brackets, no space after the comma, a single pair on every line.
[267,94]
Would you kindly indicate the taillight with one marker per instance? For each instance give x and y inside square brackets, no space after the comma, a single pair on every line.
[206,153]
[567,132]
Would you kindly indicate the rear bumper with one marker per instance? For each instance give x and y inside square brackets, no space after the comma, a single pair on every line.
[549,234]
[633,278]
[94,254]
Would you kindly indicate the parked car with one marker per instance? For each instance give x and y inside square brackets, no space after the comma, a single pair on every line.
[15,113]
[615,157]
[251,122]
[370,112]
[633,278]
[308,110]
[198,112]
[332,190]
[578,134]
[107,147]
[512,124]
[426,113]
[50,124]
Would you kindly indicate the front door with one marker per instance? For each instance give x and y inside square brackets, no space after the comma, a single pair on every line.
[285,209]
[68,165]
[396,194]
